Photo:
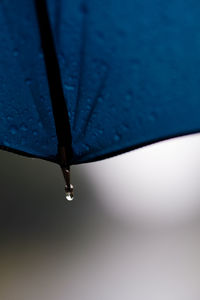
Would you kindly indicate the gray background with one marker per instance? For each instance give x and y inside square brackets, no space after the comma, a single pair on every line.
[132,231]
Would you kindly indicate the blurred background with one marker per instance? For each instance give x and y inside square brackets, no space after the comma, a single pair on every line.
[132,232]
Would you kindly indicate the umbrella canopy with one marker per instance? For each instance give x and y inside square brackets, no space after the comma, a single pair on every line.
[128,71]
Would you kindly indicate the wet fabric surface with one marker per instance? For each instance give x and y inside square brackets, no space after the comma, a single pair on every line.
[130,75]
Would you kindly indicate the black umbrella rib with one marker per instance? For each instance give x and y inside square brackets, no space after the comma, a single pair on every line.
[55,84]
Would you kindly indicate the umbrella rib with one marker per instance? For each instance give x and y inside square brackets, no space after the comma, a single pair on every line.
[59,107]
[95,102]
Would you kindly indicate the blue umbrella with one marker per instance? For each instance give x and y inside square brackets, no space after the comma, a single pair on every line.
[85,80]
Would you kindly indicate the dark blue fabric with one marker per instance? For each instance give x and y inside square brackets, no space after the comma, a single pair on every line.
[130,72]
[26,119]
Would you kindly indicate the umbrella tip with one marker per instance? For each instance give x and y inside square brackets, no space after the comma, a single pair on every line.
[69,189]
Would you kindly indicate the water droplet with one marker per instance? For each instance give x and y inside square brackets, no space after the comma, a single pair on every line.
[100,99]
[40,55]
[28,81]
[23,127]
[9,118]
[125,127]
[129,96]
[35,133]
[86,148]
[6,143]
[69,87]
[152,117]
[15,52]
[116,137]
[13,130]
[89,102]
[50,112]
[99,131]
[69,193]
[69,196]
[53,137]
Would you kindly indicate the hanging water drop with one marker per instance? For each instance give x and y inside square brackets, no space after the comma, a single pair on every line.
[69,189]
[69,192]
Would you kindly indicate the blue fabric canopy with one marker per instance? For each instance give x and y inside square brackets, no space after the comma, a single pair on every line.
[130,73]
